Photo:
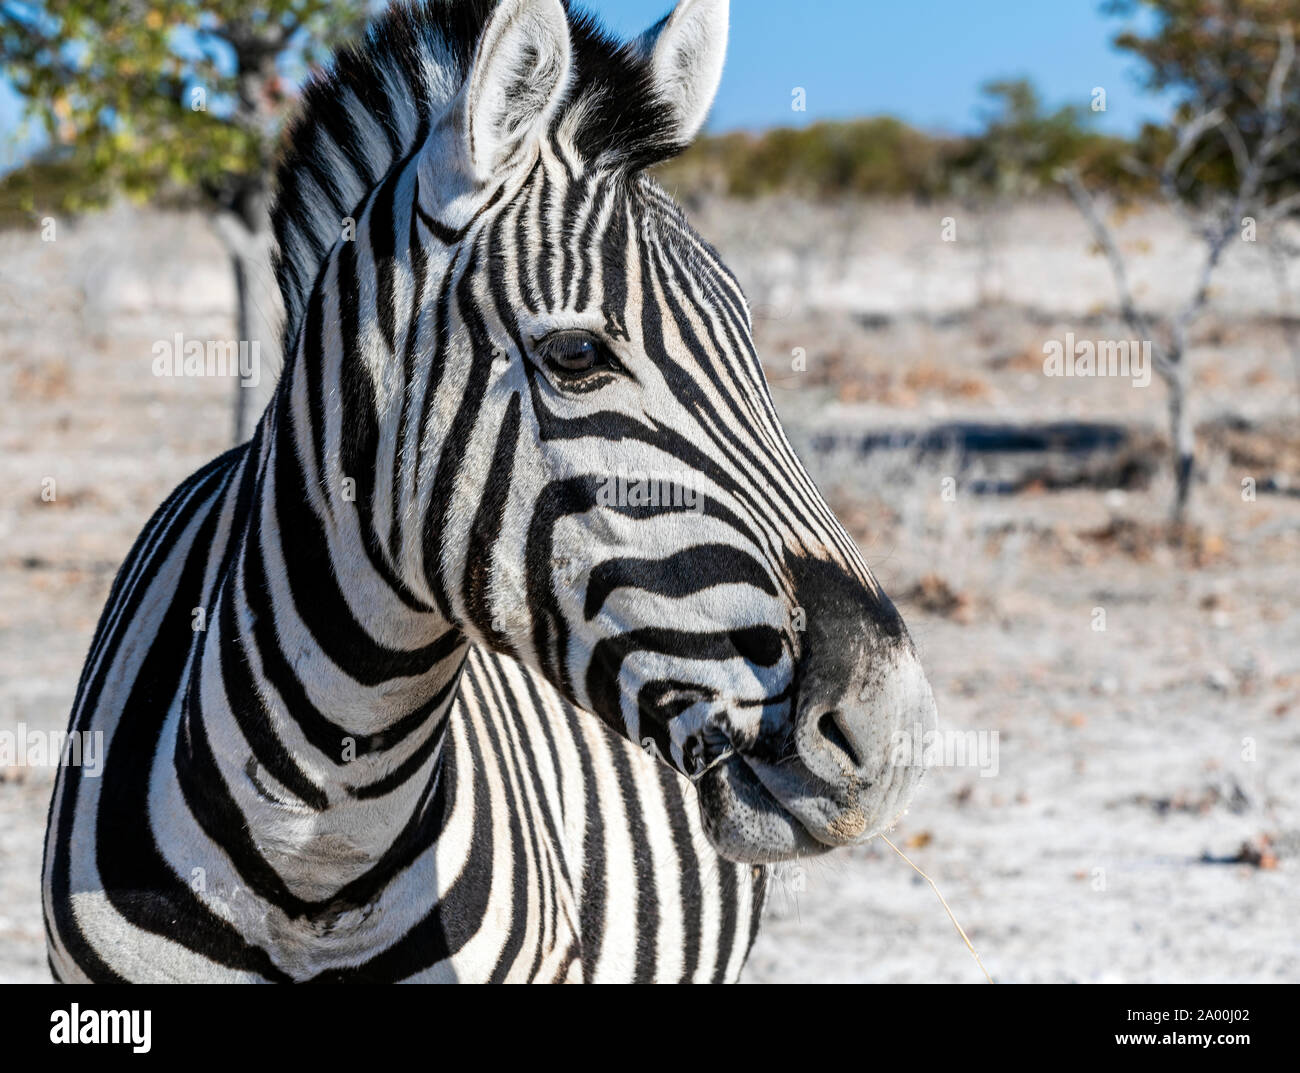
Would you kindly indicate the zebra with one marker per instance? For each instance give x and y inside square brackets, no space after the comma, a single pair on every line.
[516,644]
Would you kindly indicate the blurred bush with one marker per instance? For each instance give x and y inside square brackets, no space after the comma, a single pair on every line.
[880,156]
[1017,151]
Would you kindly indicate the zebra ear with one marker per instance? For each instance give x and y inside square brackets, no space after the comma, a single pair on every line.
[518,76]
[686,50]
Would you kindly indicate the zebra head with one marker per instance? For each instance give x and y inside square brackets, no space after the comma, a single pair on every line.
[602,489]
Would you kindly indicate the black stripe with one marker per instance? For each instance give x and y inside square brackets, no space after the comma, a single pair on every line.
[383,224]
[691,570]
[449,236]
[244,702]
[646,909]
[690,892]
[486,531]
[458,915]
[127,859]
[595,894]
[519,761]
[542,243]
[419,260]
[514,932]
[323,734]
[456,443]
[314,587]
[359,428]
[728,924]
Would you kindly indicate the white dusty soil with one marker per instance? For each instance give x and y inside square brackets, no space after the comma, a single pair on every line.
[1134,763]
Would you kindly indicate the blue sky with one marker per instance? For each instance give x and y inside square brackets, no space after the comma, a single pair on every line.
[921,60]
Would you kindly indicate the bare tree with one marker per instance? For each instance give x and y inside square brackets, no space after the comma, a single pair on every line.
[1280,250]
[1251,144]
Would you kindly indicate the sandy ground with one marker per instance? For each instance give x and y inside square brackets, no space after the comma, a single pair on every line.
[1143,821]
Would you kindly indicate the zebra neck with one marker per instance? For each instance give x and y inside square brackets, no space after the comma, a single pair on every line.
[318,697]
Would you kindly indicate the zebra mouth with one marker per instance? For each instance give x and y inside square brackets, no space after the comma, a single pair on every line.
[746,822]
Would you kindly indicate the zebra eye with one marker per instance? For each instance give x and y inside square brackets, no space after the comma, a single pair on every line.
[576,355]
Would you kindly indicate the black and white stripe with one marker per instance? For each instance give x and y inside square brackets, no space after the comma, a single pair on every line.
[456,712]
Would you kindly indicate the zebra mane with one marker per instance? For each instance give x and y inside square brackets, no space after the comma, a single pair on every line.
[382,96]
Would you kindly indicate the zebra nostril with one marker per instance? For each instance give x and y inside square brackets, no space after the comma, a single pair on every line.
[833,732]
